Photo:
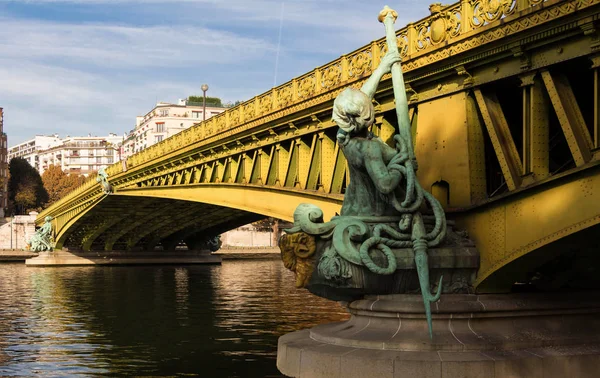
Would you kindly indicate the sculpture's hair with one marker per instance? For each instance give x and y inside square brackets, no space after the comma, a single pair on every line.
[352,112]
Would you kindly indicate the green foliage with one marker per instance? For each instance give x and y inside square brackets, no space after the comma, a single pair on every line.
[25,188]
[58,184]
[210,101]
[265,224]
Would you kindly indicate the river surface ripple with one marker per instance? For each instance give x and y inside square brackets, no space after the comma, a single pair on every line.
[198,320]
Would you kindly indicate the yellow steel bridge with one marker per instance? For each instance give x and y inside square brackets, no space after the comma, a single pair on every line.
[505,107]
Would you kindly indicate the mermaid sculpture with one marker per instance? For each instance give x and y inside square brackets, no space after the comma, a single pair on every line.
[42,239]
[384,211]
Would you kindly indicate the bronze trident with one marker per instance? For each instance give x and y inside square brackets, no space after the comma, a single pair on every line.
[419,235]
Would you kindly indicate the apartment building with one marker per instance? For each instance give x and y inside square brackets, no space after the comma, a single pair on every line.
[30,149]
[77,155]
[3,166]
[163,121]
[81,155]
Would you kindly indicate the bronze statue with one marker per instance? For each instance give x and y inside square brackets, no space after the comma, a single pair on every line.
[385,210]
[42,239]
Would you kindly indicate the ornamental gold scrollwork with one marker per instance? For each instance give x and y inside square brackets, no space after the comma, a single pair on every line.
[197,132]
[249,111]
[284,96]
[220,123]
[185,135]
[234,117]
[439,27]
[360,63]
[331,76]
[486,11]
[209,127]
[401,42]
[306,87]
[266,104]
[297,251]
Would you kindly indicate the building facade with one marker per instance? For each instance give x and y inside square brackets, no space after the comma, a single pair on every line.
[81,155]
[3,166]
[29,150]
[163,121]
[77,155]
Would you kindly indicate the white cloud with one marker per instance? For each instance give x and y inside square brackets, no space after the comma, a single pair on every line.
[110,45]
[74,77]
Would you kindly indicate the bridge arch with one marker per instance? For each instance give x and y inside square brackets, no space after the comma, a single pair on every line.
[141,218]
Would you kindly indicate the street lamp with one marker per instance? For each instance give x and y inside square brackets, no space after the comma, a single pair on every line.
[204,88]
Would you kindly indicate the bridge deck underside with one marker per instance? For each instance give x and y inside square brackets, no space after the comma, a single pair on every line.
[143,223]
[570,263]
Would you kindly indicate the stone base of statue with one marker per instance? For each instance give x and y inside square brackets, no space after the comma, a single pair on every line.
[503,335]
[67,258]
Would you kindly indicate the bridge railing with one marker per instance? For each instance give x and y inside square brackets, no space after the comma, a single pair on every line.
[445,24]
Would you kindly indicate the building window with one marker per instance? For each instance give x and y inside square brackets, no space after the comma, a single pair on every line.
[98,160]
[110,160]
[160,127]
[164,112]
[196,114]
[158,138]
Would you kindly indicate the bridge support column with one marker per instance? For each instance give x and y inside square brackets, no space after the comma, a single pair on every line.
[509,335]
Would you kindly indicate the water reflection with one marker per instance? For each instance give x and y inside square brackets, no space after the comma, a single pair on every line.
[218,321]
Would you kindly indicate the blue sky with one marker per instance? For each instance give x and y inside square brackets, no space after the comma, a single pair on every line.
[75,67]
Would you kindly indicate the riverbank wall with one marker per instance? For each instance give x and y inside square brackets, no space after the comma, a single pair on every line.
[15,232]
[240,253]
[16,255]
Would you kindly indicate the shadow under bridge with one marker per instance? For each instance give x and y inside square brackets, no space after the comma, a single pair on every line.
[165,217]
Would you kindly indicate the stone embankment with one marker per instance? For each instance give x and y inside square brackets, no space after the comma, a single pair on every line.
[239,253]
[16,230]
[15,256]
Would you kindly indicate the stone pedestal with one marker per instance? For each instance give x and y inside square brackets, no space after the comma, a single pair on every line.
[526,335]
[65,258]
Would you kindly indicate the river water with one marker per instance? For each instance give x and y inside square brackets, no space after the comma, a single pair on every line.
[194,320]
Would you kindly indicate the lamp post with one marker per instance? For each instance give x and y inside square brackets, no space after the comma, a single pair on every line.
[204,88]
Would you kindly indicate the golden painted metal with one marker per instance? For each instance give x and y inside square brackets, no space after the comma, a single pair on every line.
[511,227]
[274,202]
[596,127]
[442,148]
[535,127]
[503,143]
[570,117]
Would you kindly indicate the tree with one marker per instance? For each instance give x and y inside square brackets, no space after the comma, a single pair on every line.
[264,225]
[25,188]
[210,101]
[58,184]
